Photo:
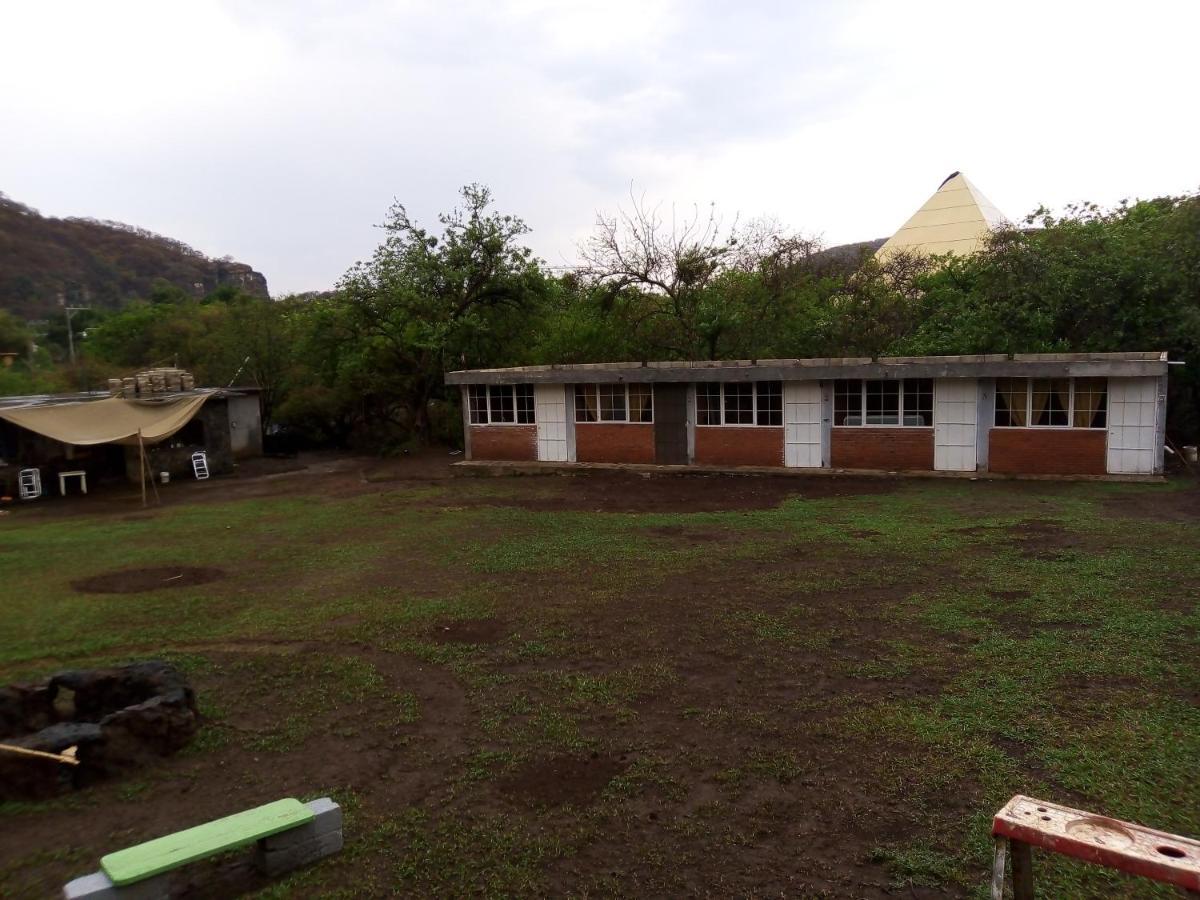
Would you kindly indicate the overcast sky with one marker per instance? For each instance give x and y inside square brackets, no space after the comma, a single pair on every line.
[279,131]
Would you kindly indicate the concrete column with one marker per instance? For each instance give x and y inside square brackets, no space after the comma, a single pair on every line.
[1160,424]
[466,415]
[691,423]
[826,424]
[985,420]
[569,405]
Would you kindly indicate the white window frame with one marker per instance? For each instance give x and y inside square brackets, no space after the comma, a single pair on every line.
[625,421]
[899,382]
[1070,426]
[753,423]
[487,393]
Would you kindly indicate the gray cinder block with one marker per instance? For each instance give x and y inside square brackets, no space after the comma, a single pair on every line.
[328,819]
[304,844]
[276,862]
[98,886]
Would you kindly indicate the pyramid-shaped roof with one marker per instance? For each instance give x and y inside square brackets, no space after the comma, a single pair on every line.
[956,219]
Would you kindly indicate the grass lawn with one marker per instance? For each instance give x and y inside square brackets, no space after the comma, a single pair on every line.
[612,685]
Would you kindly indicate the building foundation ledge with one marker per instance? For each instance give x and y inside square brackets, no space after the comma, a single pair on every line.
[485,467]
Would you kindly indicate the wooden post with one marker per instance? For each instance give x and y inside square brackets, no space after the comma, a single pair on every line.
[1022,869]
[1001,848]
[142,466]
[153,483]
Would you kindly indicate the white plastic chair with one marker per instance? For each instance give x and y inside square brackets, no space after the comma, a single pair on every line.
[200,465]
[30,483]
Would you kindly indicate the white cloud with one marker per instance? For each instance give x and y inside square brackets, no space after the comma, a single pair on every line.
[280,131]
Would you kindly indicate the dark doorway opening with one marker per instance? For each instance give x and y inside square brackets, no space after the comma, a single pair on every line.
[670,424]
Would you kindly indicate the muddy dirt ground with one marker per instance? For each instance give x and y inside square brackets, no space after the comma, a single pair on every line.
[693,729]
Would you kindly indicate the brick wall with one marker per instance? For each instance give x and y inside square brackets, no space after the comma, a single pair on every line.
[614,442]
[730,445]
[512,442]
[890,449]
[1047,451]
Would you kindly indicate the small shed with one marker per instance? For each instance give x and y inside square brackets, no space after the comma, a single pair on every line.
[100,433]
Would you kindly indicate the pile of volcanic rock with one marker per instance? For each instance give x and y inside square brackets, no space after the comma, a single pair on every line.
[116,719]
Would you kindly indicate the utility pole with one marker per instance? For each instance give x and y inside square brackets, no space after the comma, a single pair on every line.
[70,332]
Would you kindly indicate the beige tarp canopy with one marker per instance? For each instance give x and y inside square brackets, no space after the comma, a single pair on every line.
[109,421]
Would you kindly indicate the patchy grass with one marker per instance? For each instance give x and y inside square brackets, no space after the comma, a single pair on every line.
[825,695]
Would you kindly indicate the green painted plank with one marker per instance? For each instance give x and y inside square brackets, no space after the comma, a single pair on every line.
[166,853]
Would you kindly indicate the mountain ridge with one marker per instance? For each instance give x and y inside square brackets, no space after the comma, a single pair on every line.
[100,263]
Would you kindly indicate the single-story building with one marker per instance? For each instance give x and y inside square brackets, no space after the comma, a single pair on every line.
[98,433]
[1091,414]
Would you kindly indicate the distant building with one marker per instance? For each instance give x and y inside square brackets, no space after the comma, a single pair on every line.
[1072,414]
[956,219]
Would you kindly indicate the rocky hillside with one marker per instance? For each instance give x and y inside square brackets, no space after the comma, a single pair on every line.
[99,264]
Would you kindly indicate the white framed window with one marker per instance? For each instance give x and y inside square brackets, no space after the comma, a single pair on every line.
[1051,403]
[739,403]
[501,404]
[904,402]
[614,403]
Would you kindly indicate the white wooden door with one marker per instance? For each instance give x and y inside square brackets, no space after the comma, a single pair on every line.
[955,419]
[802,424]
[550,413]
[1132,407]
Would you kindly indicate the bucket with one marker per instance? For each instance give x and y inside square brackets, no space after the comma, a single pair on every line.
[1189,453]
[164,477]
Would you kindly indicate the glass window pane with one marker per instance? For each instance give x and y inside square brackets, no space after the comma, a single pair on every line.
[641,403]
[1091,402]
[770,402]
[1051,398]
[502,403]
[918,402]
[612,402]
[477,399]
[1012,397]
[586,409]
[525,404]
[883,403]
[847,402]
[708,403]
[739,403]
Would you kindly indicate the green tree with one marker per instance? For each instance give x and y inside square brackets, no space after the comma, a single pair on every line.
[674,268]
[426,303]
[14,335]
[1091,280]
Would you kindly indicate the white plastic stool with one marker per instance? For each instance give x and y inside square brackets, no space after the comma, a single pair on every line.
[200,465]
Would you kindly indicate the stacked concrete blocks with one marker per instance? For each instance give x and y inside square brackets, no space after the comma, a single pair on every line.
[304,844]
